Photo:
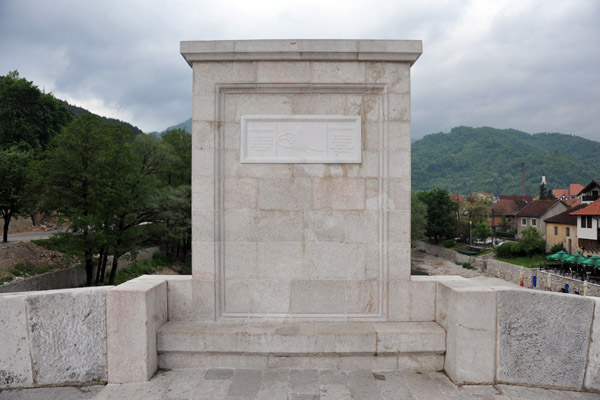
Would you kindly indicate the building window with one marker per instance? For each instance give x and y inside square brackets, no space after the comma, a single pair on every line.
[524,221]
[583,222]
[555,230]
[589,222]
[568,231]
[533,222]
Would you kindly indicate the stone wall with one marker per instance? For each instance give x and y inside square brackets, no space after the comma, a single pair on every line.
[511,272]
[62,279]
[516,336]
[450,254]
[67,278]
[53,337]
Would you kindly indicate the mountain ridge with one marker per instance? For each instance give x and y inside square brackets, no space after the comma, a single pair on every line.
[487,159]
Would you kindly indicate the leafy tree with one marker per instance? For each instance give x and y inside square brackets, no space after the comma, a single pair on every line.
[543,192]
[477,208]
[28,117]
[481,231]
[135,204]
[418,217]
[78,179]
[531,242]
[13,168]
[179,170]
[441,211]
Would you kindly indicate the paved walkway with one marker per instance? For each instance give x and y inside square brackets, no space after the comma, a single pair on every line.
[303,384]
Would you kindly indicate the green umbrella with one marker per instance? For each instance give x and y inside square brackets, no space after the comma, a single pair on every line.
[592,261]
[560,256]
[575,259]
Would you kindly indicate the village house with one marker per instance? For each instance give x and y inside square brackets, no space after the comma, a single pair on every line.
[588,227]
[562,228]
[534,214]
[566,194]
[591,192]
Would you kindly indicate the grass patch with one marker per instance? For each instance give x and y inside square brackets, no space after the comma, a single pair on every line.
[25,268]
[63,243]
[5,279]
[526,262]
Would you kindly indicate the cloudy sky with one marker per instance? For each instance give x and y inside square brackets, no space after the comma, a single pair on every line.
[532,65]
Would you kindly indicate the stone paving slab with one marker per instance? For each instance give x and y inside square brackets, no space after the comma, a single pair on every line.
[296,384]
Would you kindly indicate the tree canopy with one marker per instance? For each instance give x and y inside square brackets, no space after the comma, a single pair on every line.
[441,214]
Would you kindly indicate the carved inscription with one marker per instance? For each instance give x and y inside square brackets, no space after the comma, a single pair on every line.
[301,139]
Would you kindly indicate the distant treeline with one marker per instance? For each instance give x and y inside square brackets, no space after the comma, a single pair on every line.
[467,160]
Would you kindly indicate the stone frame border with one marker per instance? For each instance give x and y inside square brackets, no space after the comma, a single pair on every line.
[221,90]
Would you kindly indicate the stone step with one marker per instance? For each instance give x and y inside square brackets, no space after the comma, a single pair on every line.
[389,345]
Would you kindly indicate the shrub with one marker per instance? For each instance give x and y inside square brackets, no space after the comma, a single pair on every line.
[449,243]
[506,250]
[531,242]
[556,248]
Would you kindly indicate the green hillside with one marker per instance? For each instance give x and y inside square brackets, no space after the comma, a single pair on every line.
[185,125]
[77,111]
[486,159]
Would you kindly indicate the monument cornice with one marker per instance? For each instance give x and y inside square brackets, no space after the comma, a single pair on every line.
[301,50]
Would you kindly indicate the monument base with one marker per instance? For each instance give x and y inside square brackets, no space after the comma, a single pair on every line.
[342,345]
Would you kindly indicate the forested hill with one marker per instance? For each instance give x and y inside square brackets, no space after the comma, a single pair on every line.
[485,159]
[76,111]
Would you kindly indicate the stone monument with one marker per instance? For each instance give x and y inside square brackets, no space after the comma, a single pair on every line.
[301,179]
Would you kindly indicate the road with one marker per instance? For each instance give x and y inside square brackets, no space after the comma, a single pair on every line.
[29,236]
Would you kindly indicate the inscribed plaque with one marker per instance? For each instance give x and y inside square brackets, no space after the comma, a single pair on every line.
[301,139]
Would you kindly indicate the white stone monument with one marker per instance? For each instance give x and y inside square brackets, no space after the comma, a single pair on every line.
[301,178]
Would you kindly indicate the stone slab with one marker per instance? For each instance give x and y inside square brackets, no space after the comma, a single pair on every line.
[301,139]
[592,374]
[67,331]
[15,366]
[468,313]
[543,338]
[135,310]
[304,49]
[302,338]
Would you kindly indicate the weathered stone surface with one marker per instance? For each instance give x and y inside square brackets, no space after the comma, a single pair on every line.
[67,334]
[134,311]
[339,194]
[592,374]
[281,261]
[362,297]
[275,226]
[285,194]
[468,313]
[322,297]
[179,298]
[398,300]
[362,227]
[324,226]
[543,338]
[240,193]
[15,366]
[422,298]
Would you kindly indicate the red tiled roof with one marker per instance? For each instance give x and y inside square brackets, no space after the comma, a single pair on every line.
[573,202]
[592,209]
[456,198]
[565,218]
[575,189]
[527,199]
[558,193]
[505,207]
[537,208]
